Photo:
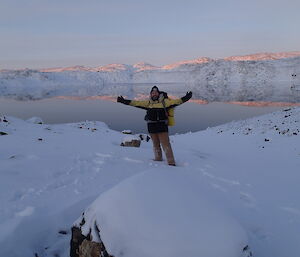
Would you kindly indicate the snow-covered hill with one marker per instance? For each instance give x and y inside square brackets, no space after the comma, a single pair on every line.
[263,56]
[50,174]
[259,77]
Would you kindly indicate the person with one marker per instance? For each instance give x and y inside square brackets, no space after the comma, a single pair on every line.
[157,108]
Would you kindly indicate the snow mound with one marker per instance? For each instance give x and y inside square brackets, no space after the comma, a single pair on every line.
[129,138]
[163,213]
[35,120]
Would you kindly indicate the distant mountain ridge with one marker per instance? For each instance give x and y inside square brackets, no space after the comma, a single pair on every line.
[142,66]
[264,56]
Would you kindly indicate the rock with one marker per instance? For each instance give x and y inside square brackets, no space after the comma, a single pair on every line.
[247,252]
[127,132]
[83,246]
[76,240]
[131,141]
[63,232]
[89,249]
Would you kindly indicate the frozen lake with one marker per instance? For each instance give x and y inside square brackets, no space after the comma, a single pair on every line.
[189,116]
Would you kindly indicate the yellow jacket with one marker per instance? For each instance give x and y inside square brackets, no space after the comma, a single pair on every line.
[162,105]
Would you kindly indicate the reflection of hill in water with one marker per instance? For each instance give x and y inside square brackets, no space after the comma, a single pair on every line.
[193,116]
[196,101]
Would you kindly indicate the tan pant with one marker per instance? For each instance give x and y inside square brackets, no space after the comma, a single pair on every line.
[162,139]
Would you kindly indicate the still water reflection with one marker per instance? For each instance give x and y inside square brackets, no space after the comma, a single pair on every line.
[189,116]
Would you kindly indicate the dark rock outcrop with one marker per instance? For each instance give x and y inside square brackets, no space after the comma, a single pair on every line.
[84,246]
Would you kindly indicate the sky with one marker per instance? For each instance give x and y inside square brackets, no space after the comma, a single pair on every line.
[60,33]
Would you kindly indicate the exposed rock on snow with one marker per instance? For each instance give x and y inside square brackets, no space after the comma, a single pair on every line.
[127,131]
[131,140]
[3,119]
[83,246]
[4,130]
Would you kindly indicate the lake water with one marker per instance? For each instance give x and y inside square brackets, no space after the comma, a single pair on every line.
[189,116]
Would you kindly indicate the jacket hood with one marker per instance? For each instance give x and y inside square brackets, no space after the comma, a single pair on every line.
[155,88]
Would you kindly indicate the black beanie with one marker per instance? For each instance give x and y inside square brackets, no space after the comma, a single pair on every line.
[154,88]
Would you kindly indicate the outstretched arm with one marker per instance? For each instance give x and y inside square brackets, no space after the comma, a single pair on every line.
[138,104]
[121,99]
[171,103]
[187,97]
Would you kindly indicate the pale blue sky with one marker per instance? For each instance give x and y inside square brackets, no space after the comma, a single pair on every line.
[57,33]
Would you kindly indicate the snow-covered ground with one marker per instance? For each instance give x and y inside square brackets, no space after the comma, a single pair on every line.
[163,213]
[260,77]
[50,174]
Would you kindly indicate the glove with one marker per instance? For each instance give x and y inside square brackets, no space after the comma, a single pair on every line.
[121,99]
[187,97]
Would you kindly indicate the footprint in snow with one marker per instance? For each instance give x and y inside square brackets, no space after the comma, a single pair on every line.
[218,187]
[199,154]
[22,193]
[224,180]
[28,211]
[32,157]
[101,157]
[132,160]
[99,162]
[260,233]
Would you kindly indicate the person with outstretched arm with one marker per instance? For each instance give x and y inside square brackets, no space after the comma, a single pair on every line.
[159,108]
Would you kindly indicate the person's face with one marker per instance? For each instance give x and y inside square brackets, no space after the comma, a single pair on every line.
[154,94]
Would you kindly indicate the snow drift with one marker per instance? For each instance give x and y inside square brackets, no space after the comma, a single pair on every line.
[163,213]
